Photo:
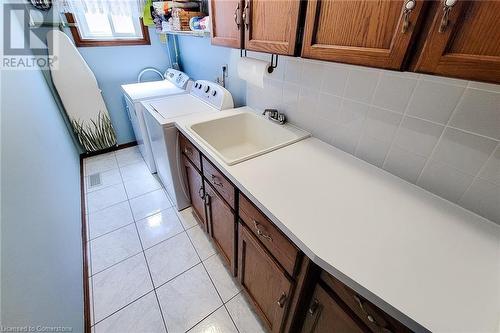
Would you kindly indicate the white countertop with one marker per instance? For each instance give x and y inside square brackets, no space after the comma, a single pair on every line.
[403,248]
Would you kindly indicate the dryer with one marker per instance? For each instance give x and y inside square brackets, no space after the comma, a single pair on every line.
[176,82]
[160,115]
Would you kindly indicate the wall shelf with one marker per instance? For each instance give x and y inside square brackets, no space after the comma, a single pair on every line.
[188,33]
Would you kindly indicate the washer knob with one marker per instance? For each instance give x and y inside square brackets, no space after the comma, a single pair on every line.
[207,89]
[214,93]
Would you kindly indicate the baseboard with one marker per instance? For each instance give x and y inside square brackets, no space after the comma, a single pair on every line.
[86,287]
[110,149]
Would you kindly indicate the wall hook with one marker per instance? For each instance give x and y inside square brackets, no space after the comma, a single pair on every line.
[274,63]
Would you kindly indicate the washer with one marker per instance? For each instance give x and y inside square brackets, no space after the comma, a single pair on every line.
[160,115]
[176,82]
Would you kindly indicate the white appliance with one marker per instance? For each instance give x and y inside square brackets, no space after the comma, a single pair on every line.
[160,114]
[176,82]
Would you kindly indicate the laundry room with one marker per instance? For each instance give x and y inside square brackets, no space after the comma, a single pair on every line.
[244,166]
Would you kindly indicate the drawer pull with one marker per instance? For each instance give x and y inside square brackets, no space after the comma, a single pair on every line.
[216,181]
[281,301]
[314,307]
[409,5]
[369,316]
[447,6]
[188,151]
[201,193]
[260,232]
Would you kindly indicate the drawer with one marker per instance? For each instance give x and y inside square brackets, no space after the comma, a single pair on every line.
[221,184]
[376,319]
[285,252]
[190,151]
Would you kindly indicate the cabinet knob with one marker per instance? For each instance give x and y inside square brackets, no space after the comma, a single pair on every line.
[408,7]
[236,16]
[216,181]
[188,151]
[445,20]
[314,307]
[282,300]
[201,193]
[260,232]
[246,16]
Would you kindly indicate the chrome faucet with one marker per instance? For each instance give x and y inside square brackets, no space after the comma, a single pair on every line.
[275,115]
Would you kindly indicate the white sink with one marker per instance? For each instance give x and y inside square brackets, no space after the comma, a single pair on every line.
[245,135]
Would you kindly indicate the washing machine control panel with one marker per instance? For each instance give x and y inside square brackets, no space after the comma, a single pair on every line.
[180,79]
[213,94]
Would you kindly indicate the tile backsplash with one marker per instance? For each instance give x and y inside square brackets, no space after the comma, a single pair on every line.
[439,133]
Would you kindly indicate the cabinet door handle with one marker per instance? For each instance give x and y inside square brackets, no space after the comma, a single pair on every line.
[369,316]
[314,307]
[188,151]
[445,20]
[260,232]
[236,16]
[246,15]
[282,300]
[408,7]
[217,181]
[201,193]
[207,199]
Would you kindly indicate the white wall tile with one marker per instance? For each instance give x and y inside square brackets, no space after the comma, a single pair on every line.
[329,106]
[335,79]
[418,136]
[434,101]
[444,180]
[404,164]
[464,151]
[479,112]
[394,92]
[312,75]
[372,150]
[395,120]
[484,199]
[491,170]
[382,124]
[361,84]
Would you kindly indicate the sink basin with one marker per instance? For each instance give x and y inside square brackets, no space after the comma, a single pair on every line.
[245,135]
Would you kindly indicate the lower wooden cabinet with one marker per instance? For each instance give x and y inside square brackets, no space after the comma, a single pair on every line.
[196,191]
[326,315]
[222,225]
[264,280]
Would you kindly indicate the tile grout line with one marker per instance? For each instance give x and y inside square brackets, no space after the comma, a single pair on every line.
[429,158]
[145,258]
[477,176]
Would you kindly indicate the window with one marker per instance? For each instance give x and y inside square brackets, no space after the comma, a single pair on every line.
[103,29]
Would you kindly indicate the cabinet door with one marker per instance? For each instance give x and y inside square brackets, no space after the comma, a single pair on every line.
[271,26]
[325,315]
[368,32]
[226,20]
[196,191]
[466,45]
[264,281]
[222,225]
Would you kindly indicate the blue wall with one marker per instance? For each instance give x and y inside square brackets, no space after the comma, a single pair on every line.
[41,245]
[117,65]
[201,60]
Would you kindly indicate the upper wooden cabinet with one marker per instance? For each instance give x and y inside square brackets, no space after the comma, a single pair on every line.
[466,44]
[271,25]
[257,25]
[372,33]
[226,22]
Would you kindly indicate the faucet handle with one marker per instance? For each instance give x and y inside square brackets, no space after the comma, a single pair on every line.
[273,112]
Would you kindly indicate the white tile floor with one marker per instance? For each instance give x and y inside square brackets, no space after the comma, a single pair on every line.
[153,269]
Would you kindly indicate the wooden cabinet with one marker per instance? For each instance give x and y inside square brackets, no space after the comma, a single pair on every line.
[222,225]
[271,26]
[369,33]
[266,283]
[466,44]
[326,315]
[227,28]
[256,25]
[196,191]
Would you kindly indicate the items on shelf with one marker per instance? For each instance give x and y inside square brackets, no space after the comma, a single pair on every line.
[177,15]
